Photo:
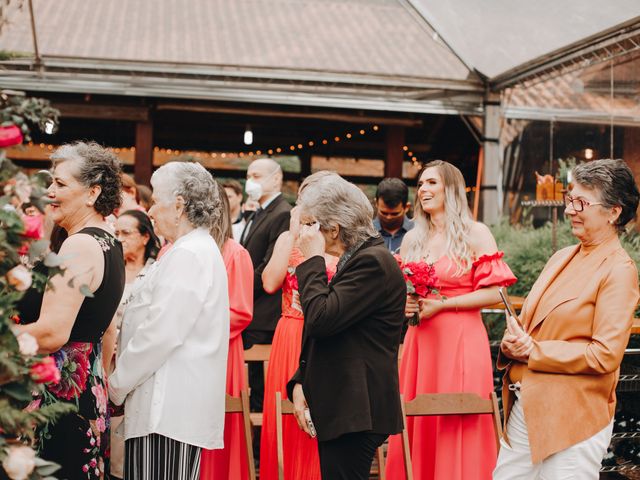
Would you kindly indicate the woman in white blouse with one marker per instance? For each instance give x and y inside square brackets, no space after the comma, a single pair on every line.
[171,366]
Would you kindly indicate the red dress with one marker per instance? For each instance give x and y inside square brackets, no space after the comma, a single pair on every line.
[231,462]
[449,353]
[301,461]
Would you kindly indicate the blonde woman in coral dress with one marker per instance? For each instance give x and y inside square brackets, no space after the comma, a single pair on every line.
[230,463]
[448,352]
[301,461]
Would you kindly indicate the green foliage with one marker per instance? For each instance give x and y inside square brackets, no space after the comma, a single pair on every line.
[24,112]
[527,250]
[564,167]
[17,385]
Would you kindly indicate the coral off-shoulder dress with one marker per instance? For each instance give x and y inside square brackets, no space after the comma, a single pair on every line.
[449,353]
[301,461]
[231,462]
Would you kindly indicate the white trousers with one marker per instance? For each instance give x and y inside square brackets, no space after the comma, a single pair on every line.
[579,462]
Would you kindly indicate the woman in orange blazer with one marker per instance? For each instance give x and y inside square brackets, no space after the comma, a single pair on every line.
[563,362]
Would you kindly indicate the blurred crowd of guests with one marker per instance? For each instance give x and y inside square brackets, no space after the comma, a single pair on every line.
[164,288]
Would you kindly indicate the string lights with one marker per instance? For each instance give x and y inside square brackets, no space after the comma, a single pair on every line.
[128,153]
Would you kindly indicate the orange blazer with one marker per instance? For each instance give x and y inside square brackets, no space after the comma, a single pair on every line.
[568,391]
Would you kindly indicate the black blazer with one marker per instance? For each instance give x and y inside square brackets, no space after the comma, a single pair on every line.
[352,326]
[259,242]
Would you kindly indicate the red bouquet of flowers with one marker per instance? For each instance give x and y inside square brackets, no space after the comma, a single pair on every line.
[421,280]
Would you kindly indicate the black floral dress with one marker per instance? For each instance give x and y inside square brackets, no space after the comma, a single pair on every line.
[79,442]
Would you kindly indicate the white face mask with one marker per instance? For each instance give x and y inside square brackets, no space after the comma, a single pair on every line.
[253,190]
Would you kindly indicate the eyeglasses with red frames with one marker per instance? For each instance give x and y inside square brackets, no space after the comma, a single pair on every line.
[577,204]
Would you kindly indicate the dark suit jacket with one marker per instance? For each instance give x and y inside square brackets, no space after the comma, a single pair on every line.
[352,326]
[259,242]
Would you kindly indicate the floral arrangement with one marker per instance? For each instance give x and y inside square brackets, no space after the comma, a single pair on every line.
[421,280]
[22,371]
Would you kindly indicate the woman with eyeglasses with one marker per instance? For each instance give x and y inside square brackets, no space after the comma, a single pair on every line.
[562,359]
[140,246]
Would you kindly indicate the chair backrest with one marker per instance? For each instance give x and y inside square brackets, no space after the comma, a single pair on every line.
[448,404]
[258,353]
[285,407]
[241,405]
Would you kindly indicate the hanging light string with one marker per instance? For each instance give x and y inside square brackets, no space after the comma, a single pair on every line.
[310,144]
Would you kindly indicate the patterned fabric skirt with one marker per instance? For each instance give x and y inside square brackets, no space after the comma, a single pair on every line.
[156,457]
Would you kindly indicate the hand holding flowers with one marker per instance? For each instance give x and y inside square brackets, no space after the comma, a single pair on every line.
[421,280]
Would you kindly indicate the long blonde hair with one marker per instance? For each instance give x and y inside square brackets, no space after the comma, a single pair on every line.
[458,220]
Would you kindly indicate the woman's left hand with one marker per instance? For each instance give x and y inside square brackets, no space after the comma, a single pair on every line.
[516,343]
[429,307]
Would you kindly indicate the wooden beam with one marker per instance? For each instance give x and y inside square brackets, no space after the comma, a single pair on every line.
[319,115]
[143,166]
[394,140]
[103,112]
[305,164]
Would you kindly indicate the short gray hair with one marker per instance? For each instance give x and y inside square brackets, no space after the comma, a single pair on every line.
[196,186]
[334,201]
[96,166]
[614,182]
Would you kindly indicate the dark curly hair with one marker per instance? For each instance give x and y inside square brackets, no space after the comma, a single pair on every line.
[145,227]
[616,185]
[96,166]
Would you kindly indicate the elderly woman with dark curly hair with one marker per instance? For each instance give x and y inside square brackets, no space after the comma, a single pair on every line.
[78,305]
[563,361]
[171,362]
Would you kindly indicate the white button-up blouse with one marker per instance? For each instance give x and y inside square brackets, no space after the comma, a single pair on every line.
[172,353]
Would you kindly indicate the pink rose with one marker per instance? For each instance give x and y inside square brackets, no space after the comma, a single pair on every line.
[100,423]
[45,371]
[34,405]
[101,398]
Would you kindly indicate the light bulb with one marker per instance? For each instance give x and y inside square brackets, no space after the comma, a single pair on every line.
[49,126]
[248,136]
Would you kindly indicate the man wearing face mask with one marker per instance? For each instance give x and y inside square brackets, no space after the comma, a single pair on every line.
[271,218]
[392,204]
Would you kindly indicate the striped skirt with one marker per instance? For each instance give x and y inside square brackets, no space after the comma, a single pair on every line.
[156,457]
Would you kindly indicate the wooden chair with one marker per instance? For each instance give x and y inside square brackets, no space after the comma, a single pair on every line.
[447,404]
[257,353]
[285,407]
[241,405]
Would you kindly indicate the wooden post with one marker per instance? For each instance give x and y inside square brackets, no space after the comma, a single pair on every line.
[491,193]
[394,140]
[305,164]
[143,165]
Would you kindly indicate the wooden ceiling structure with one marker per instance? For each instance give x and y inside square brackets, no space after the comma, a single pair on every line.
[296,74]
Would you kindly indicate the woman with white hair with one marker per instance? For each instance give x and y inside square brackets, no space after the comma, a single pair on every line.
[347,375]
[448,351]
[175,335]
